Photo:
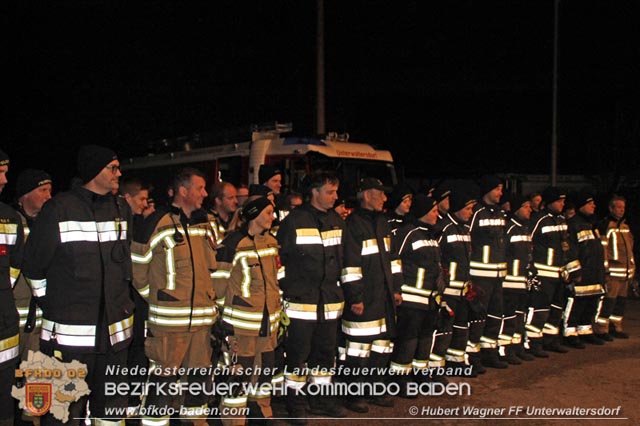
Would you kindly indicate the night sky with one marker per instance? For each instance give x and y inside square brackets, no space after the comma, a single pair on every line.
[452,88]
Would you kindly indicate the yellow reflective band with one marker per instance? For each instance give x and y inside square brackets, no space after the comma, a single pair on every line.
[396,266]
[332,237]
[181,310]
[8,228]
[221,274]
[119,326]
[144,291]
[488,266]
[350,274]
[245,285]
[520,238]
[416,245]
[573,266]
[163,421]
[550,253]
[38,287]
[382,346]
[308,236]
[400,368]
[237,401]
[453,268]
[364,328]
[171,271]
[369,247]
[585,236]
[410,289]
[357,350]
[68,335]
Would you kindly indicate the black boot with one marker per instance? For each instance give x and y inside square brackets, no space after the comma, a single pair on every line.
[476,362]
[574,342]
[296,408]
[511,356]
[518,350]
[592,339]
[322,405]
[490,359]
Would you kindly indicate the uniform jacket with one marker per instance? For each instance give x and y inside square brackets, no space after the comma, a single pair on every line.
[488,227]
[77,262]
[518,255]
[11,246]
[22,291]
[552,254]
[372,272]
[455,246]
[311,253]
[420,255]
[173,271]
[619,248]
[587,243]
[247,279]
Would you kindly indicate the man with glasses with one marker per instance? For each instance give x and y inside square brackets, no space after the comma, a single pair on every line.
[78,264]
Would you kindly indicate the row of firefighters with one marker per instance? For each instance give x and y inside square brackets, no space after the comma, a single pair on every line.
[446,278]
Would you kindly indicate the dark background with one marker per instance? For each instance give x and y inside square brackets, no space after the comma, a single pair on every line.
[452,87]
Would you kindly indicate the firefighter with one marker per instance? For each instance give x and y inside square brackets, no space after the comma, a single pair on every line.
[423,283]
[398,208]
[311,254]
[173,271]
[455,246]
[225,204]
[520,276]
[487,269]
[553,261]
[78,264]
[11,245]
[247,281]
[622,266]
[588,281]
[371,279]
[33,189]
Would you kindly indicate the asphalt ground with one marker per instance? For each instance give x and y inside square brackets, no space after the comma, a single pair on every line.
[592,386]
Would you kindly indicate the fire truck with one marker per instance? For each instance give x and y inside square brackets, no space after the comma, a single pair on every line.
[297,157]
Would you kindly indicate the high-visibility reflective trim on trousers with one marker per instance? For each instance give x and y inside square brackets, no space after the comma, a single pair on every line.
[235,402]
[516,339]
[550,329]
[455,355]
[382,346]
[307,311]
[155,421]
[615,319]
[436,361]
[364,328]
[400,368]
[9,348]
[102,422]
[570,331]
[533,331]
[583,330]
[294,381]
[320,379]
[504,339]
[488,343]
[355,349]
[473,347]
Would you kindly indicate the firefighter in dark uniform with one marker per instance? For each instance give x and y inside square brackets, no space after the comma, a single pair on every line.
[33,189]
[398,208]
[588,281]
[455,247]
[552,260]
[78,264]
[371,279]
[487,269]
[515,287]
[311,254]
[422,272]
[11,244]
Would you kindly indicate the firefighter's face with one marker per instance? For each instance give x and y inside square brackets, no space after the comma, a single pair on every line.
[617,209]
[493,196]
[405,206]
[524,212]
[588,209]
[3,176]
[228,201]
[324,197]
[33,201]
[196,193]
[374,199]
[107,180]
[275,183]
[431,217]
[138,202]
[265,218]
[466,212]
[443,206]
[557,206]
